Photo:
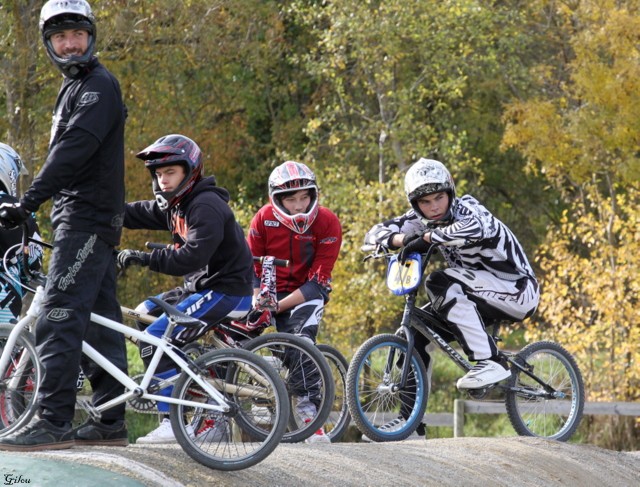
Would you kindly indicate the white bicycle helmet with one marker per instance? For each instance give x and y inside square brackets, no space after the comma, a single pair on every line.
[11,167]
[290,177]
[425,177]
[58,15]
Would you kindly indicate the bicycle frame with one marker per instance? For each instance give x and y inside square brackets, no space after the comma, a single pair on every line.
[426,322]
[132,389]
[424,318]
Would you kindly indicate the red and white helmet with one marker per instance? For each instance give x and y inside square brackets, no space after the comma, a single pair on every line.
[290,177]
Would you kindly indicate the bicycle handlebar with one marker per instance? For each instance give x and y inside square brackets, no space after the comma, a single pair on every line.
[380,249]
[154,245]
[276,262]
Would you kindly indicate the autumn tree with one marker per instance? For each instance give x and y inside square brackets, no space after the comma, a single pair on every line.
[584,137]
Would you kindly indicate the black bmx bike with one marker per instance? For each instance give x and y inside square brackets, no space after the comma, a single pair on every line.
[388,384]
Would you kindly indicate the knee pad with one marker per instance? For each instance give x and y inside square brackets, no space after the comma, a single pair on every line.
[436,285]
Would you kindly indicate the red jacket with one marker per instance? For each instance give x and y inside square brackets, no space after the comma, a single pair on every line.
[312,255]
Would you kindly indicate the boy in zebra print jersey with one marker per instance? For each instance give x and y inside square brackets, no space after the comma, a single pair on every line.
[489,277]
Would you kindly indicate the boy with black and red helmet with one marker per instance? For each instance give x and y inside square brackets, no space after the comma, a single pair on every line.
[209,250]
[295,227]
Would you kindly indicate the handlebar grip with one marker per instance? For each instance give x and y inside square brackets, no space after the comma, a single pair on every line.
[155,245]
[276,262]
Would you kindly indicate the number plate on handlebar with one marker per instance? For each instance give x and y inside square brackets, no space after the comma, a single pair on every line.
[404,278]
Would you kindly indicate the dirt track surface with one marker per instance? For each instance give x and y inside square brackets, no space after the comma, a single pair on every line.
[455,462]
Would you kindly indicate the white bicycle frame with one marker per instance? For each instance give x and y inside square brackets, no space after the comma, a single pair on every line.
[132,389]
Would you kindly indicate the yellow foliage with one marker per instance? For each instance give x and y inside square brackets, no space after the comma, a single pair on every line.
[590,299]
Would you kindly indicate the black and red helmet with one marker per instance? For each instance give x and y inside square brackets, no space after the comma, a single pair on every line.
[172,150]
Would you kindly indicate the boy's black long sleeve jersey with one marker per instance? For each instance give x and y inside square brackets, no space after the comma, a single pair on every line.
[209,247]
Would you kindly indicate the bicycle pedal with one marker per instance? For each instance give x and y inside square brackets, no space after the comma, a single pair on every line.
[479,393]
[90,409]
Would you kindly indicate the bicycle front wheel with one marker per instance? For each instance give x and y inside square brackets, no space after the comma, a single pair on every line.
[379,408]
[307,376]
[222,440]
[19,383]
[532,410]
[339,418]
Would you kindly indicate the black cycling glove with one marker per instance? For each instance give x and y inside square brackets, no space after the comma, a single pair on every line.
[12,215]
[417,245]
[129,257]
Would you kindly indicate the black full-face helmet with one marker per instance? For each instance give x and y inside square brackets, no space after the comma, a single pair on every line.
[59,15]
[171,150]
[425,177]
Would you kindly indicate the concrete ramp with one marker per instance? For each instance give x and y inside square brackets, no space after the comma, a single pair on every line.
[439,462]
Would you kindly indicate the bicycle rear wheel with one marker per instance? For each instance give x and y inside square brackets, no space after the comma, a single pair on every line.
[19,383]
[221,440]
[339,418]
[378,407]
[531,409]
[307,376]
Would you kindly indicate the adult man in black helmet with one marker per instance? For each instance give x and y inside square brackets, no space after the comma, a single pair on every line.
[84,174]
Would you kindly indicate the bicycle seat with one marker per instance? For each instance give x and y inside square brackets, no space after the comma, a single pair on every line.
[178,316]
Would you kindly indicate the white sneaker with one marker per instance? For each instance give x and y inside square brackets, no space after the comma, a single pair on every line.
[394,425]
[213,431]
[484,373]
[318,437]
[162,434]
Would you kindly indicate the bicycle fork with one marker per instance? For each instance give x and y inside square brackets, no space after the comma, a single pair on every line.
[406,366]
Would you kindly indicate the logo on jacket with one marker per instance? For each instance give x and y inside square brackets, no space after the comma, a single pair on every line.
[271,223]
[329,240]
[59,314]
[89,98]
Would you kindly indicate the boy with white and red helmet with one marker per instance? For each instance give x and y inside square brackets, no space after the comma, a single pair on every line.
[209,250]
[295,227]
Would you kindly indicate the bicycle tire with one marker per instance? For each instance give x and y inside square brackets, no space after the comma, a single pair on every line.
[339,418]
[20,382]
[242,377]
[380,412]
[531,414]
[300,356]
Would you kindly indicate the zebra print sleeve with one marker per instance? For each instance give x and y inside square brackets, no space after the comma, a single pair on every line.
[409,223]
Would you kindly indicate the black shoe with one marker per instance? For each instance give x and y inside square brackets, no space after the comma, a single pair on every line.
[94,433]
[39,434]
